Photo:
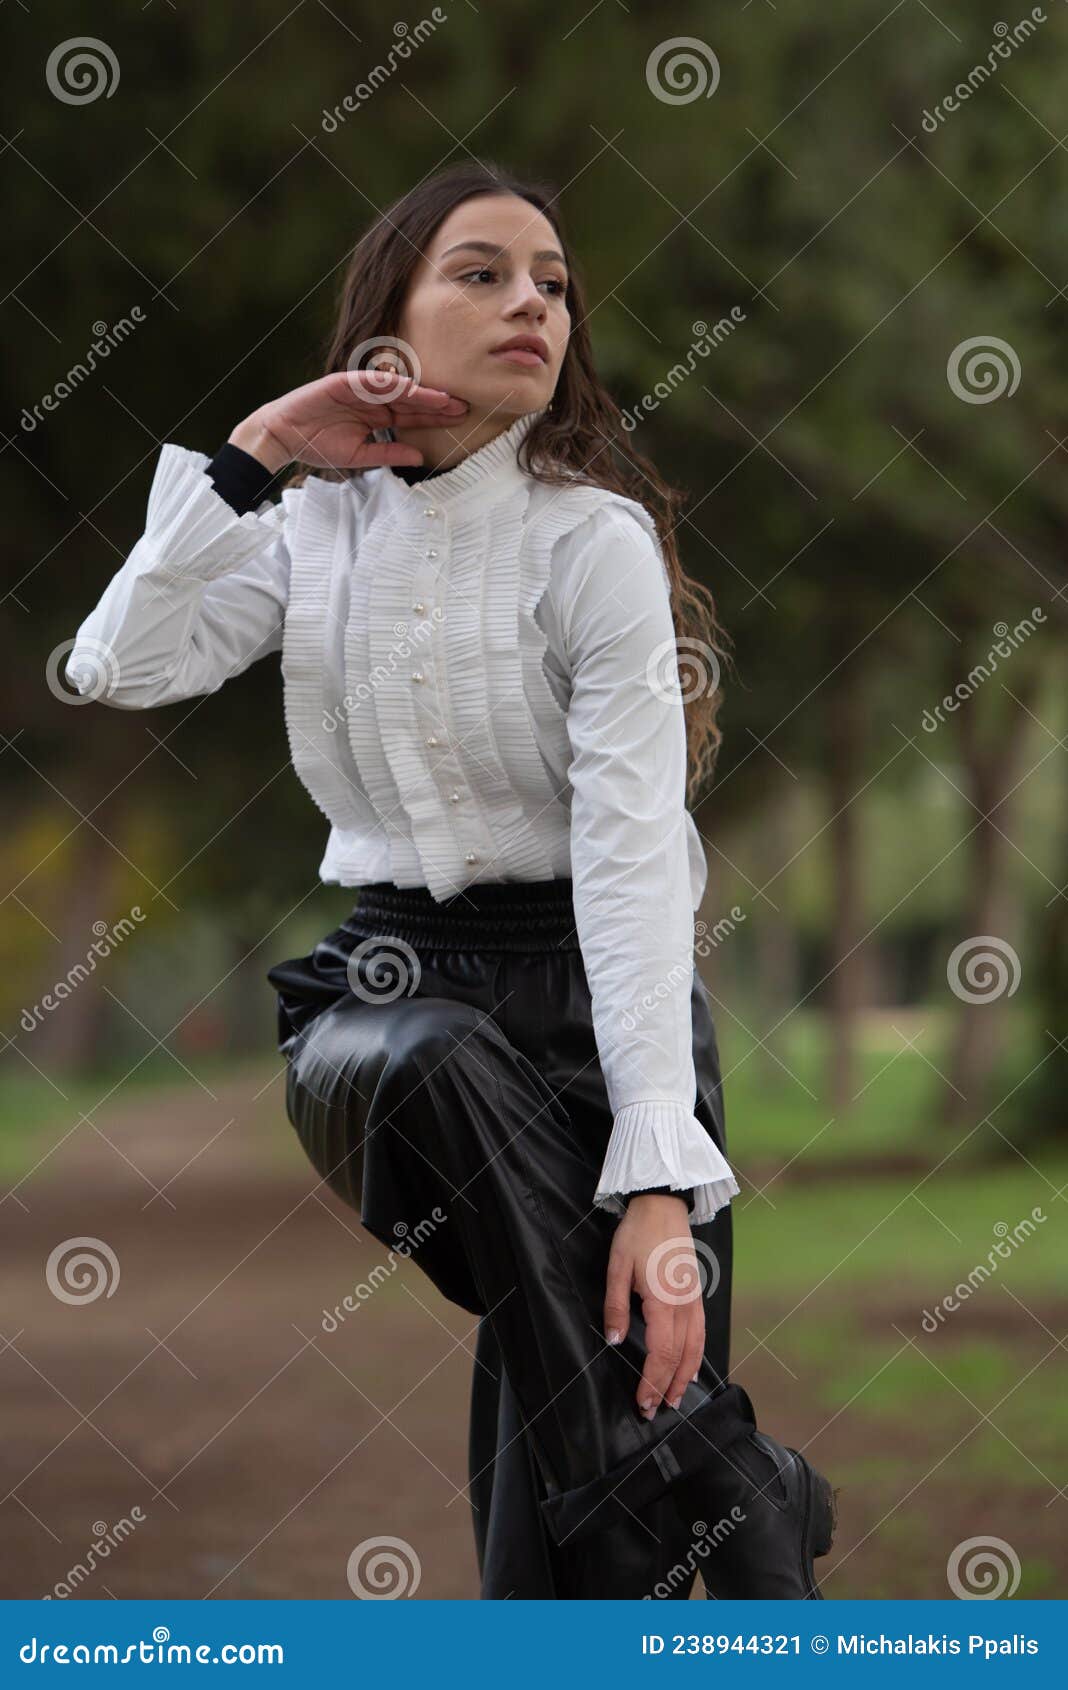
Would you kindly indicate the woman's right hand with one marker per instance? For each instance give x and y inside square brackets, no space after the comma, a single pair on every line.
[328,423]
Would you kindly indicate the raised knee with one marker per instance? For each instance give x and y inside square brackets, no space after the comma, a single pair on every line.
[432,1030]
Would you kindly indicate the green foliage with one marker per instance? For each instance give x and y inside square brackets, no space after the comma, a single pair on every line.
[861,524]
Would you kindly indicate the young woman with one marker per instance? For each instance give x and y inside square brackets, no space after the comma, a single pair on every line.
[504,1058]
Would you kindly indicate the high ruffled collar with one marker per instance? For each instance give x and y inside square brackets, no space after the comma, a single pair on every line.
[495,462]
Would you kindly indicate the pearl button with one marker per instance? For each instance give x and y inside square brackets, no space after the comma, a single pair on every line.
[431,552]
[419,607]
[454,797]
[429,511]
[417,675]
[432,739]
[471,857]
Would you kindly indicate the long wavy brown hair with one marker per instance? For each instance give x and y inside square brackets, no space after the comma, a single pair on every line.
[581,433]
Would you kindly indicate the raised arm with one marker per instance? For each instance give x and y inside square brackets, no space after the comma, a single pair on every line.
[204,591]
[200,597]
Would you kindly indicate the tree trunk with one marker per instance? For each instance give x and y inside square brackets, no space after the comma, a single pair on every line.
[992,766]
[845,745]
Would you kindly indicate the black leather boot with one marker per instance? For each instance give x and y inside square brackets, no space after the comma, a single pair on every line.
[761,1514]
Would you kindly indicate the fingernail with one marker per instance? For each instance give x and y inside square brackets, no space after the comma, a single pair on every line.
[615,1336]
[648,1413]
[675,1401]
[696,1376]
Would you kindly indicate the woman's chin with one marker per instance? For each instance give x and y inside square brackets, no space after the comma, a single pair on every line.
[516,391]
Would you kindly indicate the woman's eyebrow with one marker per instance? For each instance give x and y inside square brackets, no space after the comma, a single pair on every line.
[547,255]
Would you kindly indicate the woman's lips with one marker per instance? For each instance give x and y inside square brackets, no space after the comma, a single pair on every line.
[521,355]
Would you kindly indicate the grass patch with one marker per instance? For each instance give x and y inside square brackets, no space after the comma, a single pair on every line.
[905,1237]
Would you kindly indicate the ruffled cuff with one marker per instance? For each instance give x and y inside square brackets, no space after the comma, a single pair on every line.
[190,529]
[663,1143]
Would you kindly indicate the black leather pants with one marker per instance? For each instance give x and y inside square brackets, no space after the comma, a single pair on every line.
[443,1078]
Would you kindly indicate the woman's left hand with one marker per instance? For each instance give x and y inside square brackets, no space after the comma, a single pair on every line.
[652,1253]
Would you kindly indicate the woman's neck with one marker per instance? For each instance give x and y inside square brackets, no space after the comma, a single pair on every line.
[445,447]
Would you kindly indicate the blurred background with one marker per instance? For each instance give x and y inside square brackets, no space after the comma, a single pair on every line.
[826,261]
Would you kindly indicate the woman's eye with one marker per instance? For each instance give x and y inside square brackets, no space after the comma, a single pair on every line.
[558,287]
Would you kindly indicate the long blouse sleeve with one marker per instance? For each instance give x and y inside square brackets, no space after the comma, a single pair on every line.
[630,865]
[201,595]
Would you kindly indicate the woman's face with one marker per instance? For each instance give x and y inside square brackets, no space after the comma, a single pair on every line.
[493,272]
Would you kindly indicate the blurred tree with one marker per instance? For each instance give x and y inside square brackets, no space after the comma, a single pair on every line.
[862,507]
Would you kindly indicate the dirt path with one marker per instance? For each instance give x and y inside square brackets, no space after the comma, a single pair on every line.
[258,1450]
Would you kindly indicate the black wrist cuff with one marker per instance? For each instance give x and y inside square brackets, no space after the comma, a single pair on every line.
[239,478]
[663,1191]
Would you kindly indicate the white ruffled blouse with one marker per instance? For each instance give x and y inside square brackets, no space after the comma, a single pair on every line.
[479,684]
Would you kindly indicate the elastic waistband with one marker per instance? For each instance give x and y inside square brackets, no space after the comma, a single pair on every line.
[512,915]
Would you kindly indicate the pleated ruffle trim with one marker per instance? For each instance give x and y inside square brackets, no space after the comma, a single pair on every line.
[663,1143]
[191,528]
